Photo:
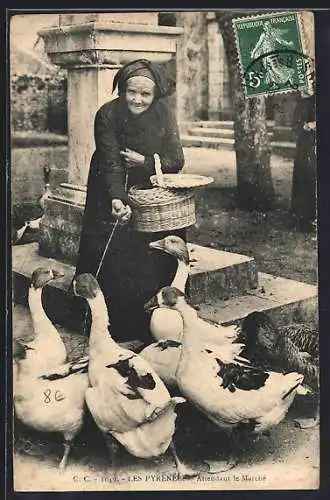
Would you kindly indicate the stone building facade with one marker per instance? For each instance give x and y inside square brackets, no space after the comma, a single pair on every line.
[203,82]
[203,87]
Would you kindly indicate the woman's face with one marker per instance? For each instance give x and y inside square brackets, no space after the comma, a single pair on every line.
[140,92]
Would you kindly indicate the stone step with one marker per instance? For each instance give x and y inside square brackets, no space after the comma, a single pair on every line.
[207,142]
[215,132]
[282,148]
[214,273]
[210,124]
[285,149]
[212,132]
[284,134]
[285,300]
[219,124]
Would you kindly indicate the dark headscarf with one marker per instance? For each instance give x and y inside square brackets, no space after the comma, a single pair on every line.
[165,83]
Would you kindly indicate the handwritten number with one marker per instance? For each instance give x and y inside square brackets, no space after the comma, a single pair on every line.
[57,396]
[47,396]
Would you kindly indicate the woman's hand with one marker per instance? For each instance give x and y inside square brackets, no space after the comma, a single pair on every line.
[132,158]
[120,211]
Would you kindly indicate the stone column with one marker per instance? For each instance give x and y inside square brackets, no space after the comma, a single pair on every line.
[192,68]
[92,47]
[89,86]
[225,107]
[219,102]
[215,67]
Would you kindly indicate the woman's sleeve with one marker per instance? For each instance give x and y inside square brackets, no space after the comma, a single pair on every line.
[108,154]
[171,154]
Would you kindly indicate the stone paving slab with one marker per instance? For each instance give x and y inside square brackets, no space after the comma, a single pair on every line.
[214,273]
[285,300]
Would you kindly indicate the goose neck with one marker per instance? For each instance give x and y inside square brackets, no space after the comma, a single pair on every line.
[190,326]
[190,339]
[100,320]
[38,314]
[181,276]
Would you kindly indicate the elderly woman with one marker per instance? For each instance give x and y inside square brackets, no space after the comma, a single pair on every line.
[128,131]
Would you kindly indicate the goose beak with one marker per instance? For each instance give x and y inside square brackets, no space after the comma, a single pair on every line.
[57,274]
[151,304]
[158,245]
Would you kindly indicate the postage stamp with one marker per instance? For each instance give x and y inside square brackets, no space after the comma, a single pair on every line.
[273,53]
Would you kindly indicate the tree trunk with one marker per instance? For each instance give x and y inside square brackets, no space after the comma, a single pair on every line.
[255,190]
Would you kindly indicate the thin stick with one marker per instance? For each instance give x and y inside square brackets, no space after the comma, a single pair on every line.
[100,265]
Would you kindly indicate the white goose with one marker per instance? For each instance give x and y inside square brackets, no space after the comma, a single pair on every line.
[127,399]
[49,392]
[45,347]
[52,401]
[230,391]
[166,323]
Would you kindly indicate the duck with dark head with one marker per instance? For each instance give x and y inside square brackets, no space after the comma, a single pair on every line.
[294,346]
[129,131]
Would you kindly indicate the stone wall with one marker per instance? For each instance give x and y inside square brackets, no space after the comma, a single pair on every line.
[38,87]
[27,180]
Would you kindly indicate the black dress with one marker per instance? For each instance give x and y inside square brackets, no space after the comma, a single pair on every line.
[131,272]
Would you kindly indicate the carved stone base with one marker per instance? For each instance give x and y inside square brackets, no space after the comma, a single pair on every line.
[61,224]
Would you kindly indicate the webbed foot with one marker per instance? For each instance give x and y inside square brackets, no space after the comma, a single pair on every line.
[186,472]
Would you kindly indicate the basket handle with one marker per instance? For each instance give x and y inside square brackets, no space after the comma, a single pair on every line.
[158,169]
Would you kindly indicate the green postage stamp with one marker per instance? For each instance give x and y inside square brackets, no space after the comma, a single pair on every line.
[274,53]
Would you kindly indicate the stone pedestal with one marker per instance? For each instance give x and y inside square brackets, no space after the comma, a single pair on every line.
[92,47]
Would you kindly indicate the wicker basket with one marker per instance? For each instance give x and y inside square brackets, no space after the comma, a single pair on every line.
[158,209]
